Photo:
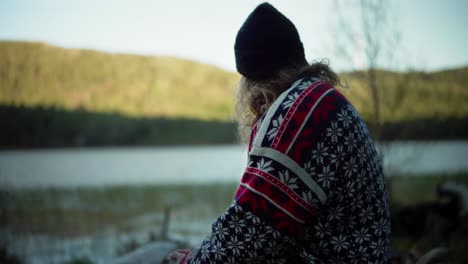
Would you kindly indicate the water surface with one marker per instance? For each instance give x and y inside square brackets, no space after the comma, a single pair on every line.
[182,165]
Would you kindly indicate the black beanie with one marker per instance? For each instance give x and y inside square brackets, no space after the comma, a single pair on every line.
[267,42]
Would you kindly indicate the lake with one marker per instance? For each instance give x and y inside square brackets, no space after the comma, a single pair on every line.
[58,225]
[190,164]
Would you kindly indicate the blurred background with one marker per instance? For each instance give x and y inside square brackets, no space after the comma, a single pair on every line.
[118,118]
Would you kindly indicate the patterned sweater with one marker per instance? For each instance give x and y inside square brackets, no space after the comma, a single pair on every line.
[313,190]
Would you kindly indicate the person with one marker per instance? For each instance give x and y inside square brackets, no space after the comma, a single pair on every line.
[313,190]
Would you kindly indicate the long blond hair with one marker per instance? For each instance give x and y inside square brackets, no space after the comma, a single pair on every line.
[254,98]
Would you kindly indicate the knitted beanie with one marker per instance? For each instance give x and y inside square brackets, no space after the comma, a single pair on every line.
[267,42]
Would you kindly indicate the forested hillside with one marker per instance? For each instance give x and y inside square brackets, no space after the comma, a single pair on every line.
[40,75]
[77,97]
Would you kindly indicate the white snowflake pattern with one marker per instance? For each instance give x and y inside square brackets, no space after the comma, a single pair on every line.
[218,251]
[380,205]
[320,152]
[334,132]
[250,235]
[304,85]
[333,158]
[335,213]
[361,179]
[323,229]
[326,176]
[343,195]
[358,202]
[340,242]
[237,224]
[344,118]
[275,127]
[259,241]
[379,247]
[205,251]
[362,154]
[370,191]
[235,245]
[221,232]
[291,182]
[350,167]
[340,150]
[291,98]
[350,188]
[362,235]
[309,168]
[367,214]
[264,166]
[380,227]
[350,141]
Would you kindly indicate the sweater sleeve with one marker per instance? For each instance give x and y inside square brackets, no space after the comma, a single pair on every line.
[277,197]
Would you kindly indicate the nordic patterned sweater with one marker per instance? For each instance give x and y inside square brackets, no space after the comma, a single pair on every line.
[312,192]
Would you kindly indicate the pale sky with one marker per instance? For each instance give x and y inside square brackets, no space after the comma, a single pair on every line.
[433,33]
